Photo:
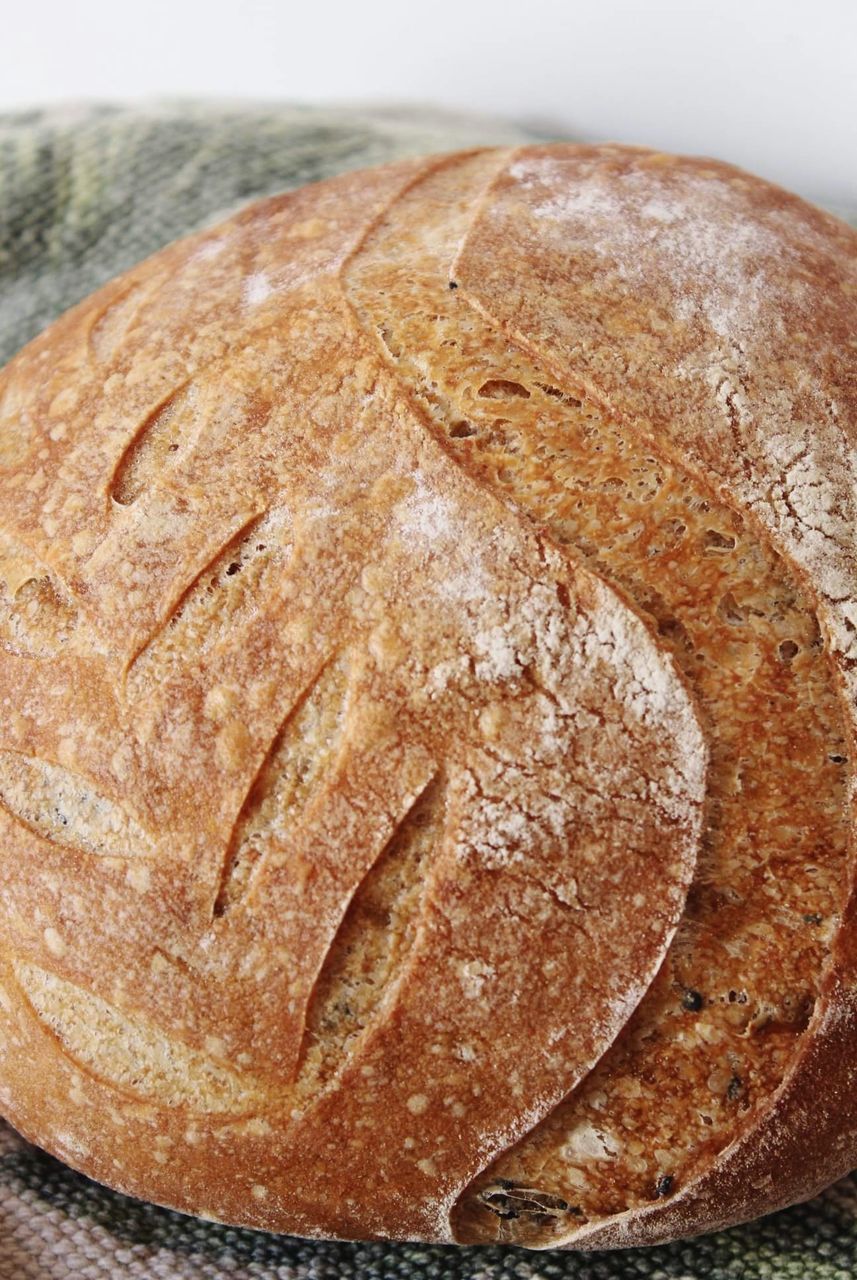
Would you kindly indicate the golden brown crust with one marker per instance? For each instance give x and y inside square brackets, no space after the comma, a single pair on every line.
[352,815]
[716,1035]
[240,502]
[609,263]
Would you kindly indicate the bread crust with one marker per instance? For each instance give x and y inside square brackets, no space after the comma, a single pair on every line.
[757,378]
[168,1005]
[236,355]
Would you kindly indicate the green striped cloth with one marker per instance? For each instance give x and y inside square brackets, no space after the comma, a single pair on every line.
[85,193]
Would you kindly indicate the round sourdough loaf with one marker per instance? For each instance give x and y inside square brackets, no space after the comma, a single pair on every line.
[428,625]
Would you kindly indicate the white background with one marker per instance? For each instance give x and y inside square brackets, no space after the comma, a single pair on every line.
[770,85]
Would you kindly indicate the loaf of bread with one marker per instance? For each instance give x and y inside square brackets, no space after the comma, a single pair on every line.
[428,637]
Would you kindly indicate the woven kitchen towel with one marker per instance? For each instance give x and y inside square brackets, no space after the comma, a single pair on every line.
[87,192]
[84,194]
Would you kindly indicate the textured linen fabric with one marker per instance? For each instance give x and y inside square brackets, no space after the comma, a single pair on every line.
[85,193]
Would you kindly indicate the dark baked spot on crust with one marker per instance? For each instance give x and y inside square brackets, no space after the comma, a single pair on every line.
[510,1200]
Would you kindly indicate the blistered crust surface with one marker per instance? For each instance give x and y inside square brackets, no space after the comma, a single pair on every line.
[719,1031]
[609,262]
[270,660]
[605,264]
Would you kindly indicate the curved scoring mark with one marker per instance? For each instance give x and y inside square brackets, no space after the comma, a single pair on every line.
[167,544]
[224,592]
[375,934]
[111,327]
[285,783]
[62,807]
[737,623]
[150,451]
[131,1053]
[178,514]
[37,615]
[17,428]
